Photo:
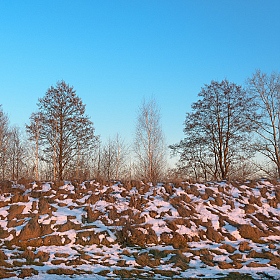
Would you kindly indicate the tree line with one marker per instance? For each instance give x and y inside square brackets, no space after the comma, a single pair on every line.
[60,143]
[231,132]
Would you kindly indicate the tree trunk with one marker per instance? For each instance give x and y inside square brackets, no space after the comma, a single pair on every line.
[78,158]
[54,153]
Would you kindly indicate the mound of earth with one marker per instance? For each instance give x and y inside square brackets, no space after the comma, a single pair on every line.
[131,229]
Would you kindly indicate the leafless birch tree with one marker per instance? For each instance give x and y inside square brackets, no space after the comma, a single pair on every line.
[113,158]
[149,144]
[5,136]
[17,154]
[266,89]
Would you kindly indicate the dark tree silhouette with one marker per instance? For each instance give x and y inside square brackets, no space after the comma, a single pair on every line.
[217,130]
[65,131]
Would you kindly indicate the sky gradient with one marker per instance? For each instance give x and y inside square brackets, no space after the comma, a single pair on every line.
[115,53]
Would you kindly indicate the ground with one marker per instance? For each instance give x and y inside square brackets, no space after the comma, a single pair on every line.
[135,230]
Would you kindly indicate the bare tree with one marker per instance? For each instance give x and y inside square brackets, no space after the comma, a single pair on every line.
[96,160]
[108,161]
[5,135]
[266,89]
[194,161]
[66,132]
[149,144]
[113,158]
[217,130]
[17,154]
[54,150]
[121,155]
[33,131]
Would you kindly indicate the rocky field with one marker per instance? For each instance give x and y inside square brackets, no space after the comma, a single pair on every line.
[139,231]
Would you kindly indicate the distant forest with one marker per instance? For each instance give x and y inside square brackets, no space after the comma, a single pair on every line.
[232,132]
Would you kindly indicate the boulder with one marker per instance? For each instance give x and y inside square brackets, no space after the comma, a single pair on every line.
[51,240]
[249,209]
[68,226]
[228,248]
[249,232]
[27,272]
[14,211]
[44,207]
[31,230]
[213,235]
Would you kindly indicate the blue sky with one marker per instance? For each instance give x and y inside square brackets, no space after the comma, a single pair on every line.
[115,53]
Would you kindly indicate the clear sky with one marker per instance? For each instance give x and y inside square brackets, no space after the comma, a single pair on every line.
[115,53]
